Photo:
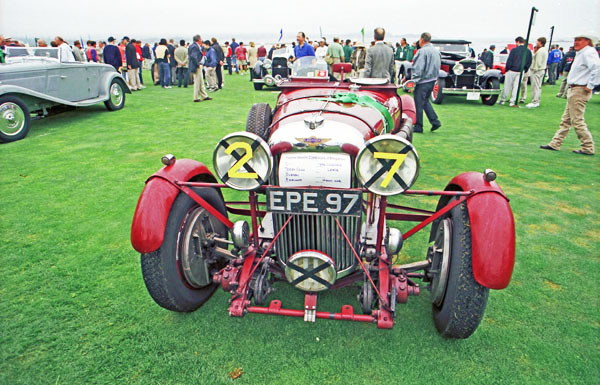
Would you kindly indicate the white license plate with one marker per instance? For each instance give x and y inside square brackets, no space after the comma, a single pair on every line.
[473,96]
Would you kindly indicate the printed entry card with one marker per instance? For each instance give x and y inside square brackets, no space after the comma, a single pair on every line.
[315,169]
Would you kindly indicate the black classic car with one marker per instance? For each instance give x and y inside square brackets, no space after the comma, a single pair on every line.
[269,72]
[460,74]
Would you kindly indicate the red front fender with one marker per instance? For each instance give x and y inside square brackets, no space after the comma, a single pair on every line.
[492,229]
[154,205]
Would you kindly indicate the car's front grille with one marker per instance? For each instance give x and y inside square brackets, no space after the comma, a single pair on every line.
[318,232]
[467,80]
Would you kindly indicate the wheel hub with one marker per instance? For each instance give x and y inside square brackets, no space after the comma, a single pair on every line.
[365,297]
[116,95]
[13,118]
[196,248]
[440,258]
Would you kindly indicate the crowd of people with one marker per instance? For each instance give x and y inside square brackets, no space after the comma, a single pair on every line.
[201,62]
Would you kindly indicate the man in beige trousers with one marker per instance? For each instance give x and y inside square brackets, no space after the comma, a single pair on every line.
[536,72]
[583,76]
[196,62]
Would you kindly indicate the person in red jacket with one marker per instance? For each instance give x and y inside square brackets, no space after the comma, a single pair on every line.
[140,58]
[261,52]
[228,56]
[122,46]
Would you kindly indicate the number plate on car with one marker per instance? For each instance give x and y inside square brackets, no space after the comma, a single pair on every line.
[318,202]
[473,96]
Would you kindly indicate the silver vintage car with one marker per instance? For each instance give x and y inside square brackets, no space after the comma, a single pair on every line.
[34,79]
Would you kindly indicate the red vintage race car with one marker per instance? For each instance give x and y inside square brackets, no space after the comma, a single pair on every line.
[318,170]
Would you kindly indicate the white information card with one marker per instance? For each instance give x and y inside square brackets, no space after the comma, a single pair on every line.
[314,169]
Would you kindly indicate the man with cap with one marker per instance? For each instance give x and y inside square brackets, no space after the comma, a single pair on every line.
[111,54]
[583,76]
[358,60]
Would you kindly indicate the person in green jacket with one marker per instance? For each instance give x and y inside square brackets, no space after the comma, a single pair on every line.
[347,51]
[2,41]
[404,54]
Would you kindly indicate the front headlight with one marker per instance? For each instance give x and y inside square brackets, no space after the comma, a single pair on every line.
[243,161]
[480,70]
[387,165]
[458,69]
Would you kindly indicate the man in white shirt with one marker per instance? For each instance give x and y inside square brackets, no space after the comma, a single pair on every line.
[321,50]
[64,51]
[583,76]
[536,72]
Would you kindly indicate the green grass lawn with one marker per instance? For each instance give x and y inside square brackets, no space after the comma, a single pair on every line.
[74,308]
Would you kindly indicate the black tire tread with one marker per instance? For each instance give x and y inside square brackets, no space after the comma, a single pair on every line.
[165,287]
[259,119]
[490,100]
[461,311]
[157,283]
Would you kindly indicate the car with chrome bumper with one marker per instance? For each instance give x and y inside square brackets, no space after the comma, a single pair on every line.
[460,74]
[328,174]
[33,80]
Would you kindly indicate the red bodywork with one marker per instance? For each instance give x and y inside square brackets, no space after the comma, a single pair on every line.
[154,205]
[297,99]
[492,225]
[492,229]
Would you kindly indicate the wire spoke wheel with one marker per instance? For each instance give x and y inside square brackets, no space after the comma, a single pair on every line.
[440,257]
[195,249]
[179,274]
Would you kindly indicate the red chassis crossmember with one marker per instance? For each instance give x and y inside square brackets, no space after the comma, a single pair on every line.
[394,285]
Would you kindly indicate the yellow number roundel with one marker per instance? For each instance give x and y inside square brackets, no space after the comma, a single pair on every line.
[387,165]
[243,161]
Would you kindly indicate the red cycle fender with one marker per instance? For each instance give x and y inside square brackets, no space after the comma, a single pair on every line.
[408,107]
[492,230]
[154,205]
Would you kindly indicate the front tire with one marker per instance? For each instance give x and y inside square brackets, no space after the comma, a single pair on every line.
[15,119]
[464,301]
[493,84]
[178,275]
[259,119]
[437,96]
[116,96]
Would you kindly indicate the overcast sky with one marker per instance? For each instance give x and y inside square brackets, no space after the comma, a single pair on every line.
[476,20]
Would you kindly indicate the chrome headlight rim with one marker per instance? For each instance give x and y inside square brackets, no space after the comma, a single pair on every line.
[480,69]
[236,172]
[409,170]
[328,274]
[458,69]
